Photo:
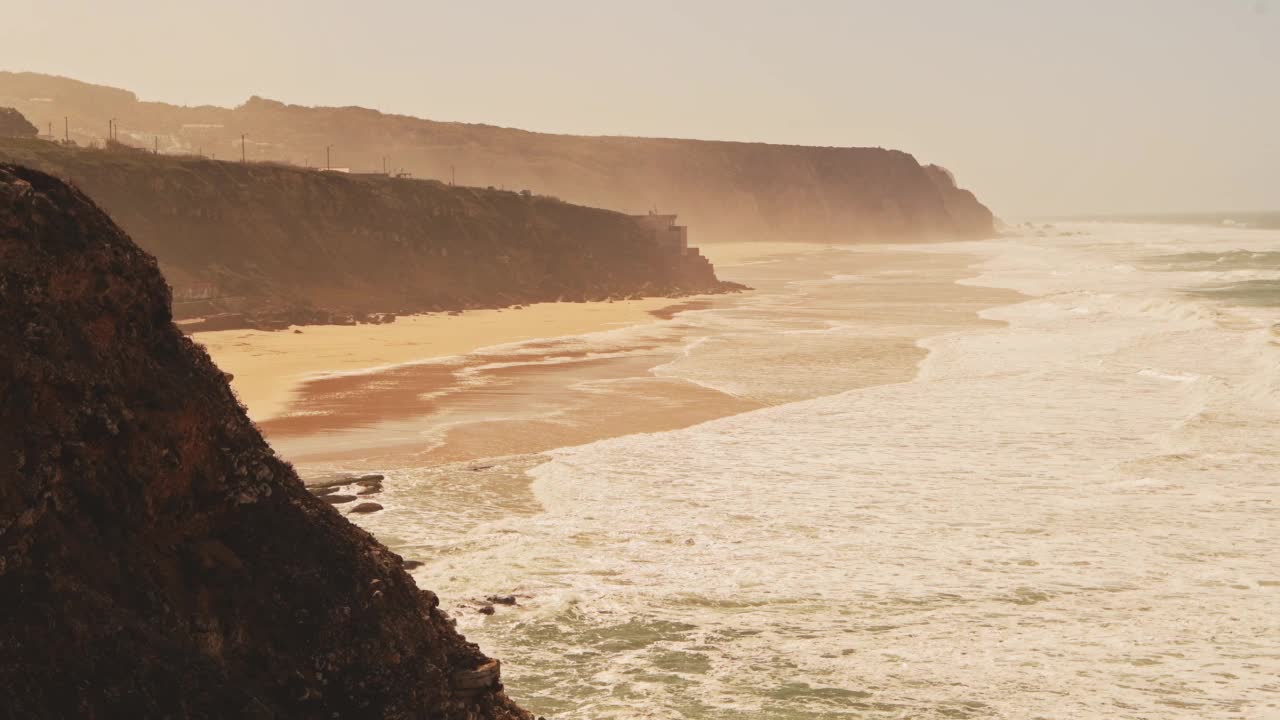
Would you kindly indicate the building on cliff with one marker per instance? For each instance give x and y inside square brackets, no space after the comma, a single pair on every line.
[666,234]
[672,242]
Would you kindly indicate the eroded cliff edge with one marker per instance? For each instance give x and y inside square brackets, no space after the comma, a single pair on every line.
[156,558]
[727,191]
[268,245]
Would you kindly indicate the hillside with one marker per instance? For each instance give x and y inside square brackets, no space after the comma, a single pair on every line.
[268,245]
[156,558]
[726,190]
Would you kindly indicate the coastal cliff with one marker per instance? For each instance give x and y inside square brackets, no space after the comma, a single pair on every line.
[156,558]
[267,245]
[728,191]
[13,124]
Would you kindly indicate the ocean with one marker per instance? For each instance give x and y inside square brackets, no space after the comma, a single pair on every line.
[1068,508]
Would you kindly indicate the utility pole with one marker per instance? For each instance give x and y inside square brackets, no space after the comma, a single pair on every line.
[384,164]
[50,129]
[66,128]
[157,150]
[109,135]
[453,175]
[115,129]
[242,137]
[326,156]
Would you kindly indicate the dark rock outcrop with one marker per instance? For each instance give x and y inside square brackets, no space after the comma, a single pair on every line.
[14,125]
[156,558]
[269,246]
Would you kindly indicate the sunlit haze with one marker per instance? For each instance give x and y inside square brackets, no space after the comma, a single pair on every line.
[600,360]
[1039,107]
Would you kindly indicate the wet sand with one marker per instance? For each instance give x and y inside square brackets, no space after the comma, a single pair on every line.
[424,414]
[269,366]
[481,401]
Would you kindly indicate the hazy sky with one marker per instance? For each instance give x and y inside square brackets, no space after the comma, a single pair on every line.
[1039,106]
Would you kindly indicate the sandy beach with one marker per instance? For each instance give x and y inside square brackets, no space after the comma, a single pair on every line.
[447,388]
[269,366]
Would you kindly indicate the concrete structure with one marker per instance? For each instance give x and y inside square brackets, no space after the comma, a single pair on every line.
[667,235]
[686,264]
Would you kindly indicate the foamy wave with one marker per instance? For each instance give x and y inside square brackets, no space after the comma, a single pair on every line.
[1045,506]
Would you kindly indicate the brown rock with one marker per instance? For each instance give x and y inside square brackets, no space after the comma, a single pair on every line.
[157,559]
[486,675]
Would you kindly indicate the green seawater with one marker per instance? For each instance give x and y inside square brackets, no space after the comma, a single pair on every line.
[1258,292]
[1221,261]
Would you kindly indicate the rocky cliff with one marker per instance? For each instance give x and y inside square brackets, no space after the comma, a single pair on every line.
[156,558]
[13,124]
[726,190]
[267,245]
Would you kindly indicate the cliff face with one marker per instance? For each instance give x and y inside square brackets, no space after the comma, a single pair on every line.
[268,245]
[726,190]
[13,124]
[156,559]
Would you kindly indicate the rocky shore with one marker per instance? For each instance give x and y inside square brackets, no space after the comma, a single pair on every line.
[156,558]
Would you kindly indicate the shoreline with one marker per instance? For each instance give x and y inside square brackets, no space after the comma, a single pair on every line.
[268,367]
[557,391]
